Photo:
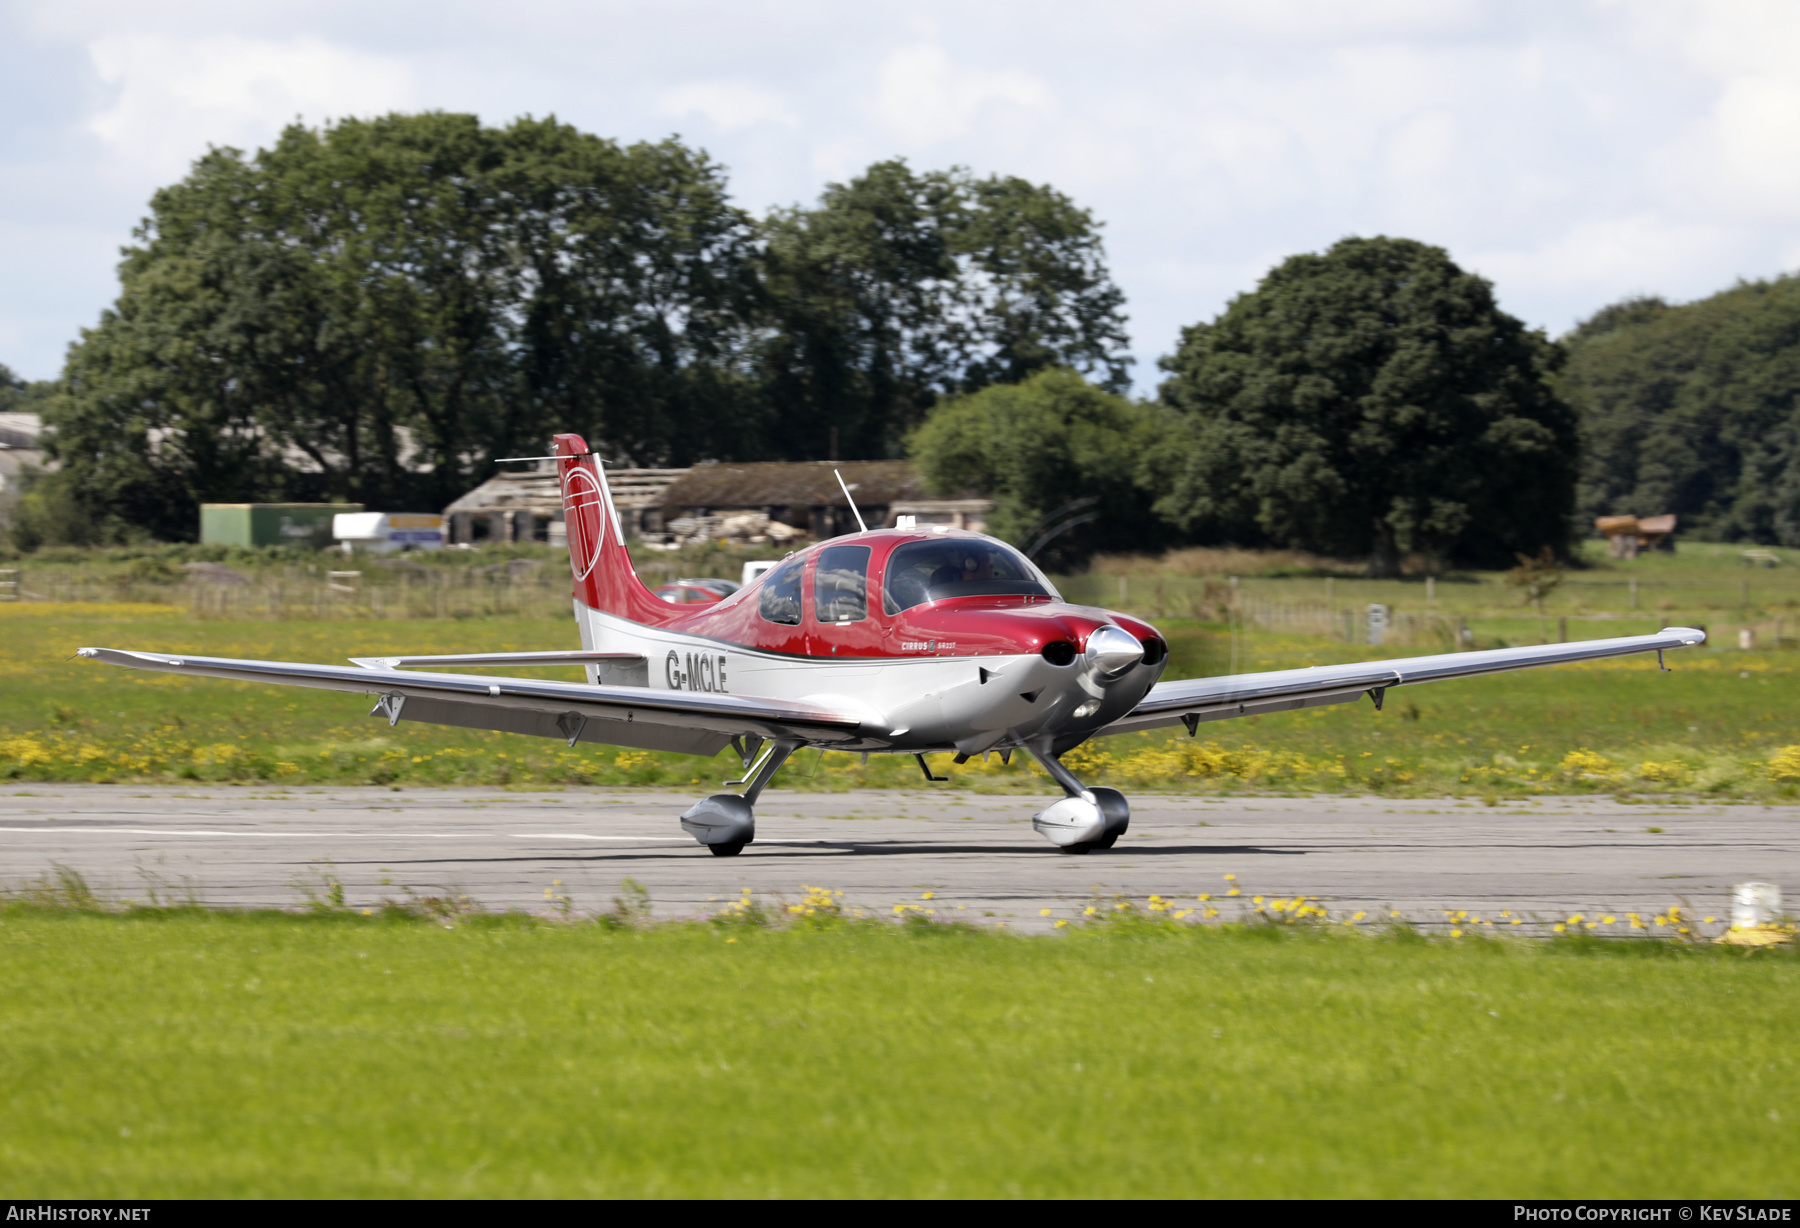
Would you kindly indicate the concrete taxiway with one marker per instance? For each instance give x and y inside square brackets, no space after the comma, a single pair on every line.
[976,854]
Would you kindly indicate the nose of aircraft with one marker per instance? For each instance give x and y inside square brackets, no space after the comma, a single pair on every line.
[1111,651]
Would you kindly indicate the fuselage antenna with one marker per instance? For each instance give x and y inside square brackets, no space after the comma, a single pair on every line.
[850,501]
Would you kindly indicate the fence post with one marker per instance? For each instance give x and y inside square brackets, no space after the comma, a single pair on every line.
[1378,624]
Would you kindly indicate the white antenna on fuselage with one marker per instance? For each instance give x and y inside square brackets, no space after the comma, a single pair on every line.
[850,501]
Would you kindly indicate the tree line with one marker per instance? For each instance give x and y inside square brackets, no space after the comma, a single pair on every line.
[1693,410]
[376,309]
[1369,402]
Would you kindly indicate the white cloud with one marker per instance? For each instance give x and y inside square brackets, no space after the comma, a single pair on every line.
[923,97]
[173,97]
[1737,156]
[1573,151]
[729,105]
[1603,260]
[1757,123]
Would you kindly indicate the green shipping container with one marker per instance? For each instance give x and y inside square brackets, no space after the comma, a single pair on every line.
[270,524]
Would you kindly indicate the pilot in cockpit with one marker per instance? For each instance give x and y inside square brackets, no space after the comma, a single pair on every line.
[976,565]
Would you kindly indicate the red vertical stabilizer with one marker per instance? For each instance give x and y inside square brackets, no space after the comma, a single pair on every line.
[604,577]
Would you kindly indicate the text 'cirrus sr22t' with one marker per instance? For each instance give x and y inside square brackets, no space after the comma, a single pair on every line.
[892,641]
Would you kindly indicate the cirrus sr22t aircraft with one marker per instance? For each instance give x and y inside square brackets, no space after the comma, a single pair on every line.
[891,641]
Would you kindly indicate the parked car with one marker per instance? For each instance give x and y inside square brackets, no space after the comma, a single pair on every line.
[696,591]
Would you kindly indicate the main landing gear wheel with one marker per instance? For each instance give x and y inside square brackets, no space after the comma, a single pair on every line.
[1081,848]
[726,822]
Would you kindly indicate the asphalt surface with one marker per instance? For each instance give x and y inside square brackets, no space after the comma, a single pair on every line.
[976,854]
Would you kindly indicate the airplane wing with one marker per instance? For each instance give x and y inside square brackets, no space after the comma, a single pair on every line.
[1192,700]
[693,723]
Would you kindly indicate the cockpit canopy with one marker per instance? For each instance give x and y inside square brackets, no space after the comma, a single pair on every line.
[937,570]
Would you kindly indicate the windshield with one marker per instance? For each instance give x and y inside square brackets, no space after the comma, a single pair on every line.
[923,571]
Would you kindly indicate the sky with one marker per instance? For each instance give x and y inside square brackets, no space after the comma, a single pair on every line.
[1574,152]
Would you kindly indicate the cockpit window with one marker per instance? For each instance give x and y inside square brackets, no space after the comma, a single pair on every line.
[841,584]
[779,601]
[922,571]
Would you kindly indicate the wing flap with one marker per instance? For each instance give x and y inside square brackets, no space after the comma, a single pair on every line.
[539,723]
[1213,699]
[676,719]
[472,659]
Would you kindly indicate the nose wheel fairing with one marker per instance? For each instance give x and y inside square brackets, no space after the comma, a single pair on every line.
[1087,818]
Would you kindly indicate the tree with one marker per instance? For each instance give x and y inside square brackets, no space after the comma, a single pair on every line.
[1694,410]
[1371,401]
[21,395]
[374,310]
[902,288]
[1040,446]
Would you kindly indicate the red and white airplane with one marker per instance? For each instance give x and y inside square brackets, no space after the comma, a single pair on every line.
[891,641]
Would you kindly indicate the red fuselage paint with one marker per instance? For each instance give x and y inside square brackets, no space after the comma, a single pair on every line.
[605,580]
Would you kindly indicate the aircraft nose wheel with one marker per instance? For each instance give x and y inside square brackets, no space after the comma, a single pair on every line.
[1085,820]
[729,849]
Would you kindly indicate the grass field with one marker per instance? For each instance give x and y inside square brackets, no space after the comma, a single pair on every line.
[437,1053]
[1724,724]
[194,1054]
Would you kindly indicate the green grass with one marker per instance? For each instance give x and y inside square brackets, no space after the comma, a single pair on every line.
[1703,582]
[193,1054]
[1711,728]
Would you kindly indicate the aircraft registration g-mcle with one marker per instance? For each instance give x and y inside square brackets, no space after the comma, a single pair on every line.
[891,641]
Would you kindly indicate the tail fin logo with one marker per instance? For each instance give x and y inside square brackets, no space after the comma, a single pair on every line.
[584,511]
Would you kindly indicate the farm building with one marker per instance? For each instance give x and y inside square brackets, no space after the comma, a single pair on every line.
[1626,535]
[526,506]
[270,524]
[764,501]
[19,447]
[805,496]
